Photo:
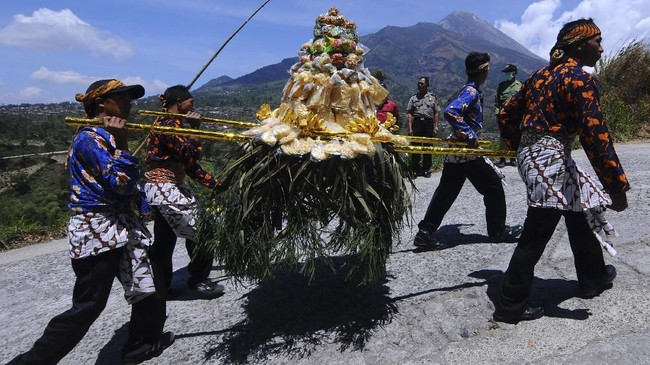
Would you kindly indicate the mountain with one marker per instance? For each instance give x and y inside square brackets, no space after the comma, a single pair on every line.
[480,31]
[219,81]
[437,51]
[278,71]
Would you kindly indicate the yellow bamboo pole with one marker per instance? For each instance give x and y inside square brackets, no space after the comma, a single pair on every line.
[236,137]
[233,123]
[433,140]
[458,151]
[232,137]
[244,124]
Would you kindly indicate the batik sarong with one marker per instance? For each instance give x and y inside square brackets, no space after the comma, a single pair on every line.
[554,180]
[93,233]
[176,204]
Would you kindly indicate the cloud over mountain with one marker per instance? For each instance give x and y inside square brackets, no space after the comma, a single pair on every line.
[53,30]
[620,21]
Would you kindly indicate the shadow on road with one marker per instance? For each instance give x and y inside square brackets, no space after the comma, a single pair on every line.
[445,289]
[548,293]
[111,353]
[450,235]
[293,316]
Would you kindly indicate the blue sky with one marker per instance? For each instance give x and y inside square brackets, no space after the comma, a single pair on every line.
[52,50]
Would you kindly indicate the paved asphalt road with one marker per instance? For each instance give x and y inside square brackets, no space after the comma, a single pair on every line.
[434,308]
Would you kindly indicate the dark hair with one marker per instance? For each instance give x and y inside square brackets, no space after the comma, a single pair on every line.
[174,95]
[426,79]
[91,109]
[474,60]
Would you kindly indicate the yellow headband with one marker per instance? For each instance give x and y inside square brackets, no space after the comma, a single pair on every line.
[479,68]
[94,94]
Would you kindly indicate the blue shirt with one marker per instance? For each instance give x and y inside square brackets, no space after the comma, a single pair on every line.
[465,113]
[102,177]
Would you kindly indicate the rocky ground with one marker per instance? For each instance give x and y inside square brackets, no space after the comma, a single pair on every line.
[435,307]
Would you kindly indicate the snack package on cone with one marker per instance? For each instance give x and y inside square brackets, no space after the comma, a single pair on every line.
[330,82]
[379,94]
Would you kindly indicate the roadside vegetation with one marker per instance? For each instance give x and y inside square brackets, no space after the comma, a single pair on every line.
[625,91]
[34,190]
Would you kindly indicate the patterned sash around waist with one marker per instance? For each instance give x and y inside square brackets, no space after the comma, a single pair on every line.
[531,136]
[166,172]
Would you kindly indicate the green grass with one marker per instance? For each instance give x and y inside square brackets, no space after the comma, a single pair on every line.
[625,94]
[34,207]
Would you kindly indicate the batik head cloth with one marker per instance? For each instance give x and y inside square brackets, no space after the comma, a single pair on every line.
[103,87]
[571,33]
[580,32]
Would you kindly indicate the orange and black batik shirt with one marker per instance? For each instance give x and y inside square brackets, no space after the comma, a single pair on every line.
[169,156]
[564,101]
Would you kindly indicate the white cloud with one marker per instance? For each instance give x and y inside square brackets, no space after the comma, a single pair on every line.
[61,77]
[130,80]
[537,28]
[70,77]
[65,84]
[27,94]
[30,92]
[150,87]
[156,87]
[620,22]
[56,30]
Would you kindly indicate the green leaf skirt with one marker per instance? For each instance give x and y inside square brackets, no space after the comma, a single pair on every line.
[282,212]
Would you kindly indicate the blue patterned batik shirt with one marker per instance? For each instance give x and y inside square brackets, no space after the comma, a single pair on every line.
[102,177]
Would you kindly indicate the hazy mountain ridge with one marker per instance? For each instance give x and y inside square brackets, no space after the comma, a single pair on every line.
[485,31]
[427,49]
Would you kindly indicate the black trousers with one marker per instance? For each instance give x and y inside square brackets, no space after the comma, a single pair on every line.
[421,128]
[538,228]
[163,249]
[483,178]
[92,287]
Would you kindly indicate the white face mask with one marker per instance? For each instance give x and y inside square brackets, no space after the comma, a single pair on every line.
[510,76]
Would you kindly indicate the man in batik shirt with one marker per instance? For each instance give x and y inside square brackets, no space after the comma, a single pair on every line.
[169,159]
[557,103]
[107,238]
[465,115]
